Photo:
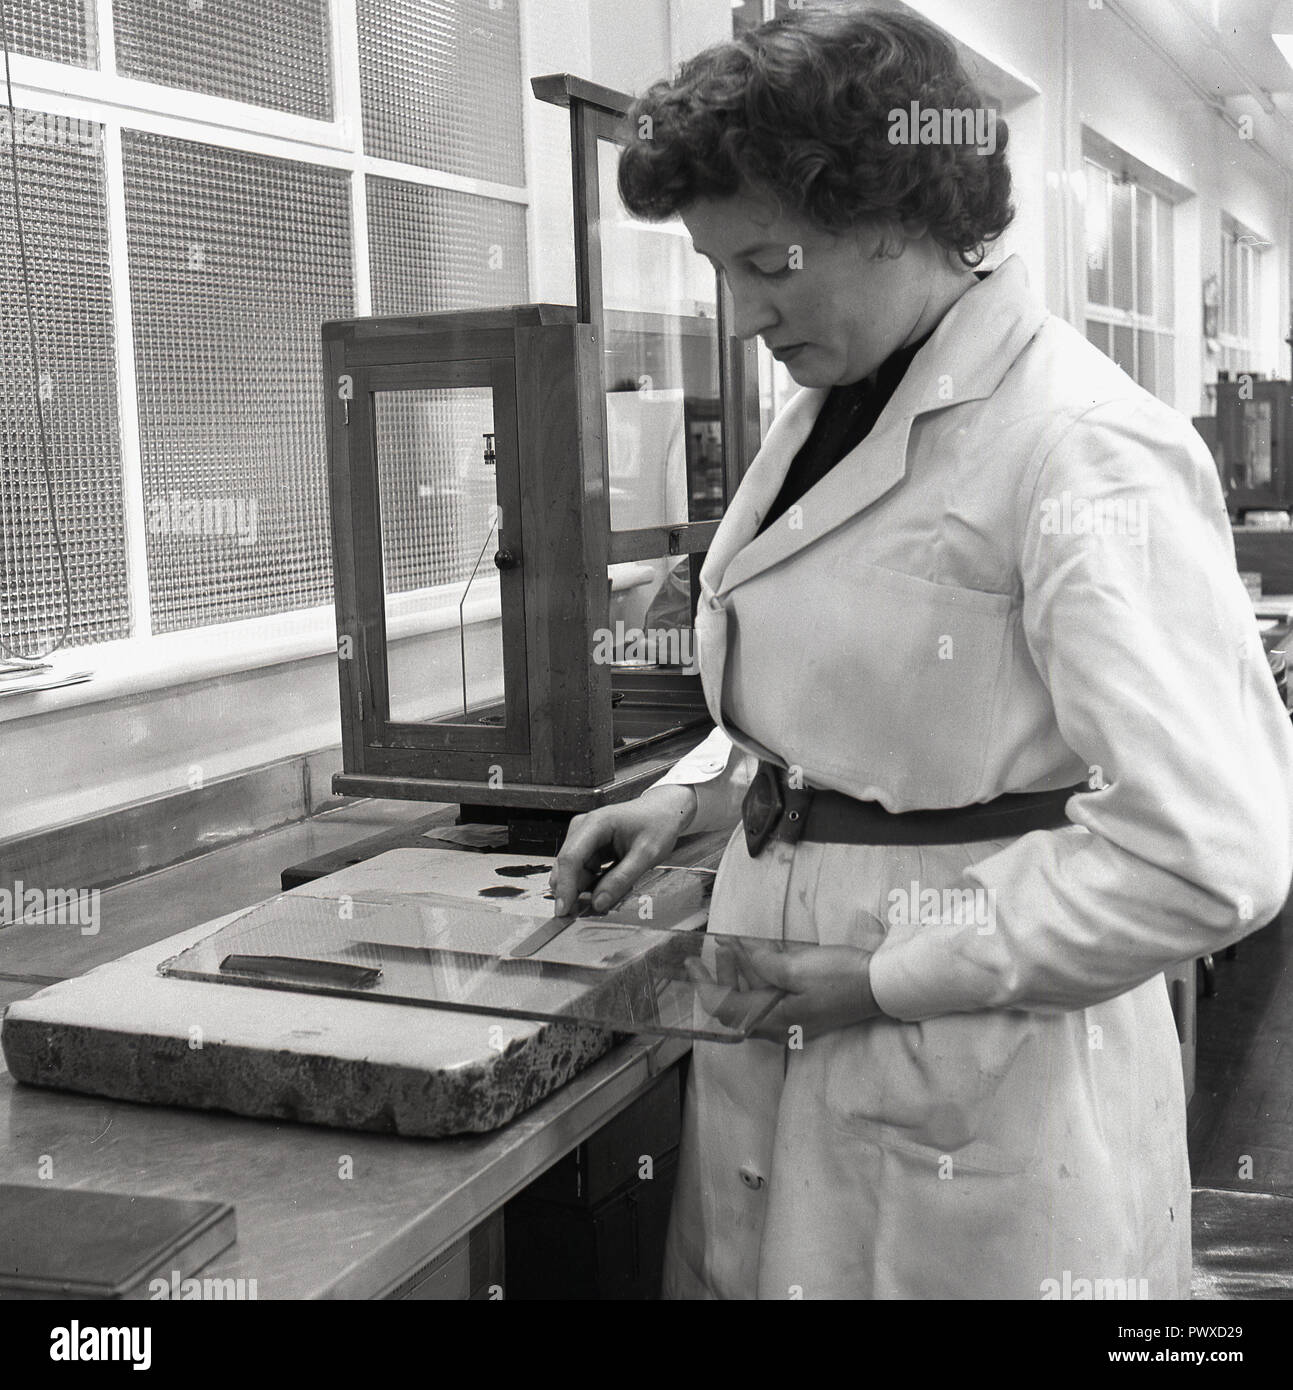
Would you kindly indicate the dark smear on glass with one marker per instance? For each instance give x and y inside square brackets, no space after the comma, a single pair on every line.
[522,870]
[501,892]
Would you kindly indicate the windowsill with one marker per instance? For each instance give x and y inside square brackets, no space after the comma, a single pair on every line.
[139,666]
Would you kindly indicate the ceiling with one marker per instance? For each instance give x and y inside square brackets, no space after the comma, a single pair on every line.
[1226,47]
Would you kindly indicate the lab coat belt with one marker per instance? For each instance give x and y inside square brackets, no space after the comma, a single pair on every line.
[773,807]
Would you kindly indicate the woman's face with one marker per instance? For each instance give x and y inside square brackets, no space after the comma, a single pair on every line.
[823,303]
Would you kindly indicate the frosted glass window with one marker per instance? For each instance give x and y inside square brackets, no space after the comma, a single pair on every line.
[436,248]
[277,55]
[441,85]
[235,261]
[60,31]
[64,214]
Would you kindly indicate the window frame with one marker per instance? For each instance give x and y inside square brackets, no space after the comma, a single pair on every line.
[1161,323]
[1238,309]
[145,659]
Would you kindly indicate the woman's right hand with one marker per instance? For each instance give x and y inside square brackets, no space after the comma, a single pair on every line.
[633,836]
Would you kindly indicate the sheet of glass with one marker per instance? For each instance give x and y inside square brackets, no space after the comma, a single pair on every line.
[646,449]
[663,406]
[439,520]
[612,970]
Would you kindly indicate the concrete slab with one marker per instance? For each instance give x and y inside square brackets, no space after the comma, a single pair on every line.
[125,1032]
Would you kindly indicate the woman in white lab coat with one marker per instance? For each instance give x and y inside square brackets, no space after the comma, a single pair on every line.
[1020,583]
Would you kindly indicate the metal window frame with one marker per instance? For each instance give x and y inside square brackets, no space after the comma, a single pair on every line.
[115,102]
[1163,281]
[1238,316]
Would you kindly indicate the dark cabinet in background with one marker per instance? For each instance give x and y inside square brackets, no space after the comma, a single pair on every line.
[1254,430]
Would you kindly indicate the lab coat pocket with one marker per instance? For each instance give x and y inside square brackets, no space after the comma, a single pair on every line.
[967,1092]
[876,682]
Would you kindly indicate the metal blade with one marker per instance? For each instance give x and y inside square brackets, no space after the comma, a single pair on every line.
[549,931]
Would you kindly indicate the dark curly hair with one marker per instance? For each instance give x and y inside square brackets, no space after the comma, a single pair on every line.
[801,108]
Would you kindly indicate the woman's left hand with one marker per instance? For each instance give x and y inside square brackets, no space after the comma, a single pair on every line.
[826,987]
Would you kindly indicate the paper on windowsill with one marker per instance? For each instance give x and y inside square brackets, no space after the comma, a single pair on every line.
[23,677]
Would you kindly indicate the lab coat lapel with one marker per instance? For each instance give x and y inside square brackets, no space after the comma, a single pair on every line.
[762,482]
[740,522]
[969,353]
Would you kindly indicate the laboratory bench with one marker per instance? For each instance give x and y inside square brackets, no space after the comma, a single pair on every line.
[329,1213]
[333,1213]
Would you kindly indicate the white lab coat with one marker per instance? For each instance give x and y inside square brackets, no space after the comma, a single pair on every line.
[1023,578]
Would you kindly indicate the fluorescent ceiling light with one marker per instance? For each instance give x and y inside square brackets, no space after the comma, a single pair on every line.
[1282,29]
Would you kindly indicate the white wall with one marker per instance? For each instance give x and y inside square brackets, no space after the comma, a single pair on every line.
[628,44]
